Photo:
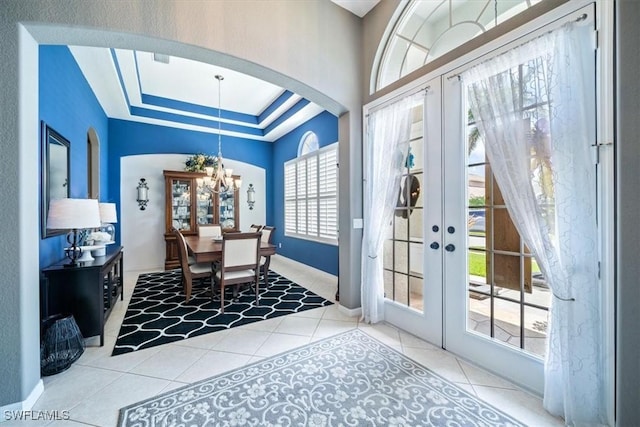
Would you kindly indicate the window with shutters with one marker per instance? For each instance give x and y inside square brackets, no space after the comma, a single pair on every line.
[311,195]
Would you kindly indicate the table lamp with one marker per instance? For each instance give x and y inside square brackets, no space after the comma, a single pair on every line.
[108,217]
[74,215]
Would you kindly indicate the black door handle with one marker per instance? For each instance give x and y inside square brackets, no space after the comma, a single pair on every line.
[450,248]
[434,245]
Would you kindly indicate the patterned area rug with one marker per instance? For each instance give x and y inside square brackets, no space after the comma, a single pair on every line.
[158,314]
[347,380]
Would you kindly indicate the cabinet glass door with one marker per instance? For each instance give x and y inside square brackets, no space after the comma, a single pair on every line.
[181,204]
[227,209]
[204,206]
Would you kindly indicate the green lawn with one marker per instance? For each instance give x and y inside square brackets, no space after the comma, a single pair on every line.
[478,265]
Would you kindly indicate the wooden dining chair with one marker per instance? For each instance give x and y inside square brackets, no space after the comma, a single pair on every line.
[267,237]
[255,228]
[190,272]
[240,262]
[209,230]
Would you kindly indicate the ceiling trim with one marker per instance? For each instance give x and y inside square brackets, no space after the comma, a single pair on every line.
[123,97]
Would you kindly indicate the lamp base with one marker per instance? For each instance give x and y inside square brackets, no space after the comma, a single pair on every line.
[86,254]
[101,251]
[101,248]
[82,254]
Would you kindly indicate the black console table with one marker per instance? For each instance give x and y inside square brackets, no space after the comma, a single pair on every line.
[88,291]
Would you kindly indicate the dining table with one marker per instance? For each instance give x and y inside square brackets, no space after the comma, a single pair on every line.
[207,249]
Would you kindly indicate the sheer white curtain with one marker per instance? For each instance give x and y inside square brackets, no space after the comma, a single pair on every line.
[388,144]
[542,162]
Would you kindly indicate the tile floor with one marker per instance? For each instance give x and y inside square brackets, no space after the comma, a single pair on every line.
[97,385]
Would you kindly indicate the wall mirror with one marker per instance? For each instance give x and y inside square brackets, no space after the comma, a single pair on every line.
[55,174]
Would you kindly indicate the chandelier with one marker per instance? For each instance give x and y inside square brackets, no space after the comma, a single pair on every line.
[219,179]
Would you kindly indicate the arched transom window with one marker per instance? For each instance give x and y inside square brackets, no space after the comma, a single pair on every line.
[427,29]
[308,143]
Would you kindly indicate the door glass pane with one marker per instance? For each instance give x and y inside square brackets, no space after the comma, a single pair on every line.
[507,294]
[536,323]
[204,206]
[181,204]
[403,251]
[227,209]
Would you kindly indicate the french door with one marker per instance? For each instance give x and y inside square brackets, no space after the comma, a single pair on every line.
[457,272]
[412,270]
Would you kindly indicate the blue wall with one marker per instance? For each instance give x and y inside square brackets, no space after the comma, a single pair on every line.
[319,255]
[133,138]
[68,105]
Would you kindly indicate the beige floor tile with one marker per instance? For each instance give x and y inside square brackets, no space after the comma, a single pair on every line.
[123,362]
[268,325]
[16,419]
[411,341]
[255,359]
[305,326]
[73,385]
[333,312]
[169,362]
[383,332]
[315,313]
[205,341]
[212,363]
[439,361]
[102,407]
[478,376]
[242,341]
[327,328]
[467,387]
[173,385]
[281,342]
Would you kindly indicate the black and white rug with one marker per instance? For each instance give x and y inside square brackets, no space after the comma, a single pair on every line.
[350,379]
[157,313]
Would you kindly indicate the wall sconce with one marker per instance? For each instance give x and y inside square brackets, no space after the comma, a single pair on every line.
[251,196]
[143,194]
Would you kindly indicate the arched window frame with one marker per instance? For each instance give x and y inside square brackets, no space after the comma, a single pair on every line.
[308,143]
[489,14]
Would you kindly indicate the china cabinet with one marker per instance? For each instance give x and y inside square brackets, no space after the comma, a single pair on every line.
[189,204]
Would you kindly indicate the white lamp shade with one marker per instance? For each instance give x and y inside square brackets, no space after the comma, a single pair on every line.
[108,213]
[67,214]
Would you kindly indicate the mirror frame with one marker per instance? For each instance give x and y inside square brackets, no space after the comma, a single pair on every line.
[49,178]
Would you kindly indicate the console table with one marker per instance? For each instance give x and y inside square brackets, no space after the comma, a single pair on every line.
[88,291]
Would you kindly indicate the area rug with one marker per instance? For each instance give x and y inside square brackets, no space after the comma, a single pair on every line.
[350,379]
[157,313]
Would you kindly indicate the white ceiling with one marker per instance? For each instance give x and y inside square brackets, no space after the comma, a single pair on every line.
[131,85]
[183,93]
[357,7]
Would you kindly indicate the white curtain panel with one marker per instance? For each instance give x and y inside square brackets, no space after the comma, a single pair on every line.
[386,152]
[542,162]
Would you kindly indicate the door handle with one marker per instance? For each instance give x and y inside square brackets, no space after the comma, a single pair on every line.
[434,245]
[450,248]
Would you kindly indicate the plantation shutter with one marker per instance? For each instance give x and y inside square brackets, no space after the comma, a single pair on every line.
[328,197]
[290,198]
[311,195]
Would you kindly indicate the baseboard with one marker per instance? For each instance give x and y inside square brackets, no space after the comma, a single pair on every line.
[26,404]
[351,312]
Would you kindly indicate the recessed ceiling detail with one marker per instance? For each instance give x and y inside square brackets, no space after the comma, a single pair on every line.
[182,93]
